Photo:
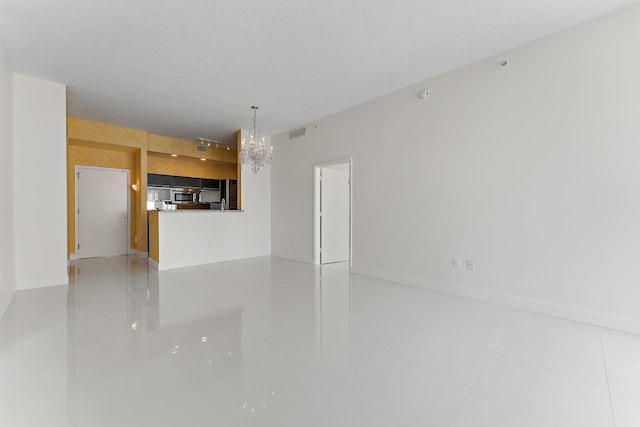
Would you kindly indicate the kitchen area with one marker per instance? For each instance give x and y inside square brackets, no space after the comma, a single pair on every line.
[189,203]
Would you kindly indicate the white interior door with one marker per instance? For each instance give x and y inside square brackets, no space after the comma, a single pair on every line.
[102,212]
[334,214]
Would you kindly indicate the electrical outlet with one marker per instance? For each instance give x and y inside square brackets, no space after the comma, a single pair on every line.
[135,239]
[471,265]
[455,263]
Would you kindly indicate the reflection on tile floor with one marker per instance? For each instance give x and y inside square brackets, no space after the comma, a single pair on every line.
[272,342]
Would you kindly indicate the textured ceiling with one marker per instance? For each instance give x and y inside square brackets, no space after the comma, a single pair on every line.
[193,68]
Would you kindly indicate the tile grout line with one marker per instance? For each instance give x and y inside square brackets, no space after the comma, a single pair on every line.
[511,405]
[606,374]
[554,370]
[495,351]
[473,387]
[330,380]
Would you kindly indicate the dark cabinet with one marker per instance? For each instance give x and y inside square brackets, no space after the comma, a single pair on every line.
[210,184]
[155,180]
[228,188]
[229,192]
[184,182]
[233,194]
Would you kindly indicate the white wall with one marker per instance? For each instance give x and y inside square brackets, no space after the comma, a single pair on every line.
[39,125]
[200,237]
[532,170]
[7,262]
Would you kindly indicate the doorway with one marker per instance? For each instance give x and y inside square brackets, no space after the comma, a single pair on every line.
[102,212]
[333,212]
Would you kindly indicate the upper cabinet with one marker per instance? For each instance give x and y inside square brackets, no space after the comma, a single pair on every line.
[210,184]
[169,181]
[155,180]
[184,182]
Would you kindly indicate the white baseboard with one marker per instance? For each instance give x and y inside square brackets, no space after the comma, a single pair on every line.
[576,314]
[152,263]
[201,261]
[306,260]
[43,283]
[142,254]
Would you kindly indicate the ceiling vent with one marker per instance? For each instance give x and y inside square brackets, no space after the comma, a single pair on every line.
[201,148]
[297,133]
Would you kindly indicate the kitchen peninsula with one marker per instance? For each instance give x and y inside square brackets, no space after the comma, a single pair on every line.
[191,237]
[183,238]
[194,237]
[200,216]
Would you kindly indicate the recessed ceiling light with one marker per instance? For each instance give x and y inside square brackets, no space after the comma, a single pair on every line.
[203,159]
[174,155]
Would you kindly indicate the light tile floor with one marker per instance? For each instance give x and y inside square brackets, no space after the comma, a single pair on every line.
[272,342]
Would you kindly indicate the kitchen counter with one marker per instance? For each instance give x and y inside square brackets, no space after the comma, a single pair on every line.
[185,238]
[195,210]
[193,206]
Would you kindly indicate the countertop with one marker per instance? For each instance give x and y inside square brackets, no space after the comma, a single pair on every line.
[197,210]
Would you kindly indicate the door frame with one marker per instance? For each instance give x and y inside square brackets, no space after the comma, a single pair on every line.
[316,207]
[75,204]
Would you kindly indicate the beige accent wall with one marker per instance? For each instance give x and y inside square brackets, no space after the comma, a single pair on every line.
[163,144]
[188,166]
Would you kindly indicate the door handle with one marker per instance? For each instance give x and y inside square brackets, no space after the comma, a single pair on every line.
[123,219]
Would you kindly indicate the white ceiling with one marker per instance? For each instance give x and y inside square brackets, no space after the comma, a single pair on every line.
[189,68]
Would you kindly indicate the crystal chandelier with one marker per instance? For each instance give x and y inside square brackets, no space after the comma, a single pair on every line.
[254,152]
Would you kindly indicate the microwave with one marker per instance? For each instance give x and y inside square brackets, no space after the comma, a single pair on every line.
[182,197]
